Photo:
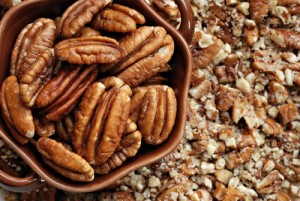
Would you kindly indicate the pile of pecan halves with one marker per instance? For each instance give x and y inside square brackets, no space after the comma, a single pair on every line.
[87,101]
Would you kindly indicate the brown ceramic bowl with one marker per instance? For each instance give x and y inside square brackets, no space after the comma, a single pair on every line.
[26,12]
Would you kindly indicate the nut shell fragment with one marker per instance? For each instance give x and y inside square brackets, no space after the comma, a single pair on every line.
[64,161]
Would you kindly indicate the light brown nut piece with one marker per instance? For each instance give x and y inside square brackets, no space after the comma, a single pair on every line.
[271,127]
[278,94]
[285,38]
[77,15]
[288,112]
[297,79]
[32,41]
[287,2]
[14,111]
[64,161]
[169,10]
[235,159]
[136,101]
[116,196]
[43,127]
[167,193]
[251,35]
[225,97]
[128,147]
[64,128]
[35,77]
[9,3]
[157,114]
[149,66]
[281,196]
[202,58]
[259,9]
[118,18]
[225,74]
[227,194]
[271,183]
[87,32]
[89,50]
[294,10]
[60,95]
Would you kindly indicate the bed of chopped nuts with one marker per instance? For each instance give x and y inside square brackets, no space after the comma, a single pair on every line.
[241,140]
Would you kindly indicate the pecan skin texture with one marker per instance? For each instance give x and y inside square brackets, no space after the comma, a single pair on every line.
[77,15]
[118,18]
[157,114]
[43,127]
[64,161]
[60,95]
[15,113]
[32,41]
[89,50]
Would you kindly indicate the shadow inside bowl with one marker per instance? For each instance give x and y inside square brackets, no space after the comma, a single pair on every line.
[25,13]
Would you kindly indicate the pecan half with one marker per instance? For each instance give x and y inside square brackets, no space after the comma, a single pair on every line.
[77,15]
[157,114]
[35,78]
[118,18]
[32,41]
[89,50]
[128,147]
[64,161]
[87,32]
[101,120]
[60,94]
[15,113]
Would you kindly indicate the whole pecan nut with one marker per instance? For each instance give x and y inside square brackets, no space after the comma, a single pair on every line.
[89,50]
[118,18]
[128,147]
[101,119]
[60,95]
[78,14]
[16,114]
[64,161]
[157,114]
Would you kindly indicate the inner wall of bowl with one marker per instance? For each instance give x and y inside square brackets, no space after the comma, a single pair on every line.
[32,10]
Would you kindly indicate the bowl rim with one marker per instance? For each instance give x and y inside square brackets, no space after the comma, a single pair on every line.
[83,187]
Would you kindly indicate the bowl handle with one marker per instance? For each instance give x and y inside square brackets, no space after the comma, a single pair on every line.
[187,25]
[18,184]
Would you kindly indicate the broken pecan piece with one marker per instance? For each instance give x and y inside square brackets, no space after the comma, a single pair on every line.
[157,114]
[77,15]
[118,18]
[101,120]
[33,40]
[259,9]
[128,147]
[60,94]
[285,38]
[225,97]
[89,50]
[288,112]
[16,114]
[64,161]
[43,127]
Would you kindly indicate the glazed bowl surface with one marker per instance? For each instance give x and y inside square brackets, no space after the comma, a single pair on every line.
[25,13]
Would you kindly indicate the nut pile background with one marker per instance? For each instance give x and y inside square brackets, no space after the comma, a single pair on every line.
[242,135]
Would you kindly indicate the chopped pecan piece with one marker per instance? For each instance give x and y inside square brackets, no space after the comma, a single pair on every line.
[271,183]
[271,127]
[252,35]
[116,196]
[157,114]
[288,112]
[259,9]
[287,2]
[227,194]
[60,95]
[225,74]
[225,97]
[118,18]
[16,114]
[64,161]
[89,50]
[235,159]
[101,119]
[33,40]
[128,147]
[77,15]
[278,94]
[285,38]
